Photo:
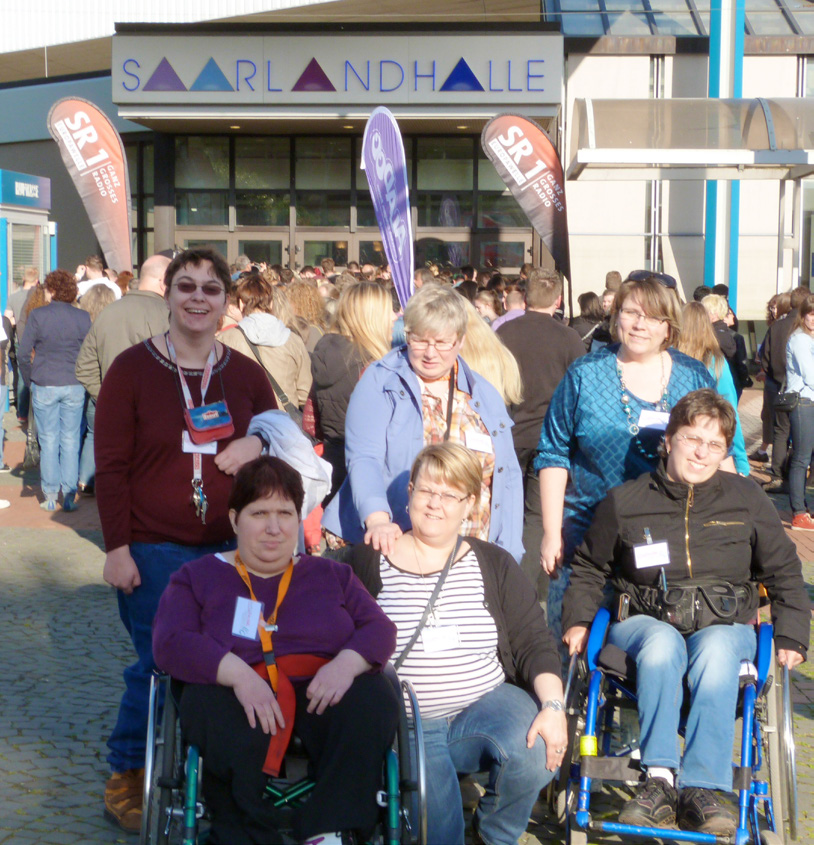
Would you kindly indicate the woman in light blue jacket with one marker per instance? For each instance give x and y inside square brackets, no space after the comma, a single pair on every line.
[800,380]
[420,394]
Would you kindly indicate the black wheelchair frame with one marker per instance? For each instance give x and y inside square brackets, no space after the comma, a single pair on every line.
[764,777]
[172,806]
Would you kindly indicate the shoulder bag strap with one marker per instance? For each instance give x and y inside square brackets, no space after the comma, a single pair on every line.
[428,609]
[289,407]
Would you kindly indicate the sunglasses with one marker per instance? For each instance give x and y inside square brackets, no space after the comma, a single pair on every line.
[209,289]
[643,275]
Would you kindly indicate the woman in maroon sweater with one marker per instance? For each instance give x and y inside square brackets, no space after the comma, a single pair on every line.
[162,496]
[329,642]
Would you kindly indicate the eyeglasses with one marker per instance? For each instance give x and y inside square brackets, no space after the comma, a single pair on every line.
[692,441]
[423,494]
[209,288]
[439,345]
[633,316]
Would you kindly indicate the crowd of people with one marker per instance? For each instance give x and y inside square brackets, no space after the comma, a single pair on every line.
[299,480]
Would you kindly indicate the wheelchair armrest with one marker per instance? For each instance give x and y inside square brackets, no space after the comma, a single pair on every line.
[596,637]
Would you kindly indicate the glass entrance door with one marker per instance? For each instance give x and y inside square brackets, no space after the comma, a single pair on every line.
[268,247]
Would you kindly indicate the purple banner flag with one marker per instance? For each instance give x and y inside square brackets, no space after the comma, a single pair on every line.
[385,166]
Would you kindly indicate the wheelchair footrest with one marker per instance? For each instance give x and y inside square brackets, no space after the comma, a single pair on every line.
[624,769]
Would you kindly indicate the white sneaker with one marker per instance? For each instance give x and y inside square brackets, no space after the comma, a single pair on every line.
[4,503]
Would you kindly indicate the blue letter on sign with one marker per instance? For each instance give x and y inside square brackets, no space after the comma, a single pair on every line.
[248,76]
[129,73]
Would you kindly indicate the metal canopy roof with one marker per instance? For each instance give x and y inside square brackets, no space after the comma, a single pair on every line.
[692,139]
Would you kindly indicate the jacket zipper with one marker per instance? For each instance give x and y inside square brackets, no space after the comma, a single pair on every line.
[690,494]
[719,523]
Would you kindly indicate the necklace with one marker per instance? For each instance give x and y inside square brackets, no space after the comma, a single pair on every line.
[662,405]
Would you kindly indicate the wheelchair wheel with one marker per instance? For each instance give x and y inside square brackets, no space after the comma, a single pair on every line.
[565,793]
[782,753]
[160,767]
[413,772]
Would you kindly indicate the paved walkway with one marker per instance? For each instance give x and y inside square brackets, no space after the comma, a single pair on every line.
[63,651]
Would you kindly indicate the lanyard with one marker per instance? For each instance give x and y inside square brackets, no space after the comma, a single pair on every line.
[198,495]
[267,627]
[453,377]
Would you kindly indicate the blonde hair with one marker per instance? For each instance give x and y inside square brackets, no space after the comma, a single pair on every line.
[281,309]
[698,338]
[306,302]
[434,310]
[656,300]
[717,307]
[485,353]
[449,463]
[364,315]
[95,299]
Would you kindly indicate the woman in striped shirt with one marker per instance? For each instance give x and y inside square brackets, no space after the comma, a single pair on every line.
[484,666]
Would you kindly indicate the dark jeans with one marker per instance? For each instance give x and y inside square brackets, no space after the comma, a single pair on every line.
[802,434]
[156,563]
[532,524]
[781,432]
[345,746]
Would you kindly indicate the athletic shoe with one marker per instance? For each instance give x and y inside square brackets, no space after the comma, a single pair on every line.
[802,522]
[123,798]
[5,468]
[70,502]
[654,805]
[759,456]
[49,505]
[4,503]
[776,485]
[704,811]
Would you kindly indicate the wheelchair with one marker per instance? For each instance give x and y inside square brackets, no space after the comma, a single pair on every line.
[599,687]
[173,812]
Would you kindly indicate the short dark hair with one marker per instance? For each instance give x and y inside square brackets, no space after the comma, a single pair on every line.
[721,290]
[255,294]
[263,477]
[613,280]
[701,292]
[703,403]
[468,271]
[798,296]
[543,288]
[196,257]
[62,285]
[590,306]
[95,263]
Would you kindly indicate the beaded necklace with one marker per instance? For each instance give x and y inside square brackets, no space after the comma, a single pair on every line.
[662,405]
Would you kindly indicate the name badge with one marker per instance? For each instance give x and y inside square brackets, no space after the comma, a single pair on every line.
[651,554]
[203,448]
[440,638]
[479,442]
[247,618]
[653,419]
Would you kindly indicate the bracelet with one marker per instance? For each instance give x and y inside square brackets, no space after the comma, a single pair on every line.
[554,704]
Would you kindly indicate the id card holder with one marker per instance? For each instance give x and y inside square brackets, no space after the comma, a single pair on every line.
[477,441]
[440,638]
[657,420]
[651,554]
[189,446]
[247,618]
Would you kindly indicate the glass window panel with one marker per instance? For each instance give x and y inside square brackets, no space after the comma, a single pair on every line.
[197,243]
[502,254]
[322,164]
[365,215]
[149,244]
[262,163]
[675,23]
[362,188]
[372,252]
[148,158]
[488,178]
[323,208]
[262,208]
[809,78]
[436,251]
[201,162]
[500,210]
[201,208]
[315,251]
[149,208]
[445,164]
[26,242]
[131,151]
[628,23]
[803,13]
[268,252]
[134,211]
[767,19]
[448,209]
[582,23]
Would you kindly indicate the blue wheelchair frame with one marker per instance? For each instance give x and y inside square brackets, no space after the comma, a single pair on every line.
[751,796]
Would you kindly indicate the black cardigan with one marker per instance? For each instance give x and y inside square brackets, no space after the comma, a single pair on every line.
[525,646]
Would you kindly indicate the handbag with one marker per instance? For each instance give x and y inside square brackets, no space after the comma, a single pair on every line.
[292,411]
[209,422]
[786,401]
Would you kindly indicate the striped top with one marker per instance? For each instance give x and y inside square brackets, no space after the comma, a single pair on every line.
[446,681]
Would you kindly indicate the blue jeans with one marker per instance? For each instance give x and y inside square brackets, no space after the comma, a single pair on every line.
[490,736]
[58,412]
[802,438]
[87,464]
[156,563]
[711,659]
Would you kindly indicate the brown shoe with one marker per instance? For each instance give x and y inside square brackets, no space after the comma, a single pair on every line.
[124,793]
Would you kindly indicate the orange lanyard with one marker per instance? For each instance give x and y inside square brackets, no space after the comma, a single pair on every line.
[266,627]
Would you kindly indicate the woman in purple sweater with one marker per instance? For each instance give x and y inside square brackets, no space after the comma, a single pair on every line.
[218,622]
